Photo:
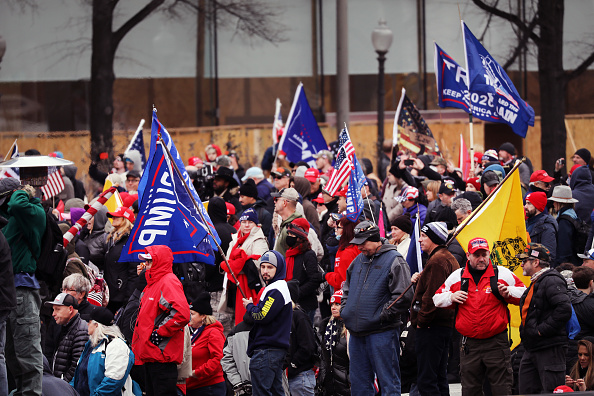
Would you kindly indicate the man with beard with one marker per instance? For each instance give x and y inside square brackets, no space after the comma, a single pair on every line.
[269,339]
[371,306]
[225,186]
[541,226]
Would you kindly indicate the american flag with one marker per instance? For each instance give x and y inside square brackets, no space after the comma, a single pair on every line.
[137,143]
[277,126]
[343,163]
[11,172]
[54,185]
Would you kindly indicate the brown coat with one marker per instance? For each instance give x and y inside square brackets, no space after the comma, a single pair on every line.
[440,265]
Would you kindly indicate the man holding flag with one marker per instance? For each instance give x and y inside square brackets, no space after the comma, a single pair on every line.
[480,293]
[433,326]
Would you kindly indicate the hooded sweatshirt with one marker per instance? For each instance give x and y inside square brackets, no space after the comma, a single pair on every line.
[163,307]
[303,187]
[583,190]
[135,156]
[273,313]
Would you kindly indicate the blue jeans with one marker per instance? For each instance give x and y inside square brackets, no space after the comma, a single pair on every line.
[375,354]
[303,384]
[432,347]
[266,370]
[3,376]
[219,389]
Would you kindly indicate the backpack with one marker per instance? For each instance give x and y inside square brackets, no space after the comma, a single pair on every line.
[580,237]
[192,277]
[53,255]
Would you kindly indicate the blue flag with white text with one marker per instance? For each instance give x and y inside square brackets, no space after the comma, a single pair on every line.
[156,129]
[491,87]
[354,198]
[166,216]
[302,137]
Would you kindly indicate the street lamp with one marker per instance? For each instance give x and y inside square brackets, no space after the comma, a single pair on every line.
[381,37]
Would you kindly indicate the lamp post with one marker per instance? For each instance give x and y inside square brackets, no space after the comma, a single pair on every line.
[381,38]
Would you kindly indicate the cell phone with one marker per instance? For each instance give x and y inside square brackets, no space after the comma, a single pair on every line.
[561,161]
[409,162]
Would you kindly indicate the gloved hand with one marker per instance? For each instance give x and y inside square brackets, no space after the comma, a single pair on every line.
[156,338]
[243,388]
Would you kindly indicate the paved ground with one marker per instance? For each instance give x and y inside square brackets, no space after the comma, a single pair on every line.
[455,390]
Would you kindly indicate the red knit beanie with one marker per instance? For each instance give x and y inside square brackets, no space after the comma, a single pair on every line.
[538,199]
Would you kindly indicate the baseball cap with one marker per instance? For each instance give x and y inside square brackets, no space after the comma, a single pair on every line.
[124,212]
[269,257]
[253,172]
[102,315]
[364,231]
[535,250]
[145,256]
[281,172]
[439,161]
[230,208]
[312,175]
[342,192]
[477,244]
[133,173]
[287,193]
[447,188]
[589,255]
[319,199]
[541,175]
[194,161]
[64,299]
[324,154]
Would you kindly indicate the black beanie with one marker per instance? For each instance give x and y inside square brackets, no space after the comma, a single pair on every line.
[249,189]
[584,154]
[403,222]
[201,303]
[507,146]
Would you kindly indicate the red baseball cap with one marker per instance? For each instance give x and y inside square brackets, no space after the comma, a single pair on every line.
[193,161]
[541,175]
[312,175]
[343,192]
[477,244]
[124,212]
[319,199]
[573,168]
[230,208]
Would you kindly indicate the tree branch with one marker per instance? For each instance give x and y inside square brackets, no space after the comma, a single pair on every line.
[508,17]
[581,68]
[119,34]
[522,44]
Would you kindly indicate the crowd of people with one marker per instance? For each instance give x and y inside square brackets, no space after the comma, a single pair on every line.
[301,299]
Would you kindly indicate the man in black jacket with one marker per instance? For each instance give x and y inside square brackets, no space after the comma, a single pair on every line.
[72,339]
[8,301]
[545,309]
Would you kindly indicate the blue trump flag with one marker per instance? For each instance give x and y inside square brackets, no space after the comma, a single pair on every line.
[156,129]
[166,216]
[302,137]
[491,88]
[413,258]
[354,198]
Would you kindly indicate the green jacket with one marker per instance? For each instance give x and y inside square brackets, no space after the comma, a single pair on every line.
[26,221]
[280,245]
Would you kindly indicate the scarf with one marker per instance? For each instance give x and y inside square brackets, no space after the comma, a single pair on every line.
[290,256]
[197,333]
[241,240]
[332,334]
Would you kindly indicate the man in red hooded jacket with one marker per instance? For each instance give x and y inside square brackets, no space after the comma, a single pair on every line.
[158,341]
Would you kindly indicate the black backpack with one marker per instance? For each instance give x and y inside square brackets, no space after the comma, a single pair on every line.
[580,237]
[52,259]
[192,277]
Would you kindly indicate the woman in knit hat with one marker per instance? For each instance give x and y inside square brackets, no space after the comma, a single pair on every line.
[334,373]
[345,232]
[302,264]
[245,249]
[207,339]
[401,229]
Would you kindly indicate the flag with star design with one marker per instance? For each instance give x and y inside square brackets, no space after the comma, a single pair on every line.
[411,132]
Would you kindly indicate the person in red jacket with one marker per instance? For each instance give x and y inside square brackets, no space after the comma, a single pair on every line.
[207,350]
[482,319]
[345,231]
[158,340]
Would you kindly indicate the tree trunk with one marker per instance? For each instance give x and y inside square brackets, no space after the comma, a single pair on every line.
[552,83]
[102,79]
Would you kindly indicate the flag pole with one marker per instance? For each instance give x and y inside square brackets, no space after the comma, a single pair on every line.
[10,150]
[160,140]
[478,209]
[470,124]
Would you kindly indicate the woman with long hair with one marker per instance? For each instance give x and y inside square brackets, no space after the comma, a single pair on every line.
[104,366]
[207,350]
[245,249]
[120,276]
[581,376]
[400,237]
[302,265]
[345,232]
[334,373]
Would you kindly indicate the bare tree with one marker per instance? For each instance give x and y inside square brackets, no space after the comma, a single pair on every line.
[252,18]
[545,30]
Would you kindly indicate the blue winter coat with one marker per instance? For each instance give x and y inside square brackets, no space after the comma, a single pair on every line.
[109,368]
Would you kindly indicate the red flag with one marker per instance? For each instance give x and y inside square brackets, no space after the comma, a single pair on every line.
[464,159]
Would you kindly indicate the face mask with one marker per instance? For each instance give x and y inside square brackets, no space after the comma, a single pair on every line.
[291,240]
[338,237]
